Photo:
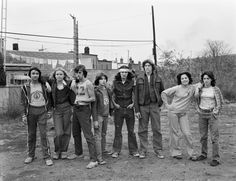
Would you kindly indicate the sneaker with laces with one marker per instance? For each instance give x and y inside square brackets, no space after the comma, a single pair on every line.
[102,162]
[64,155]
[193,158]
[49,162]
[159,155]
[115,155]
[74,156]
[92,164]
[142,155]
[28,160]
[56,156]
[135,154]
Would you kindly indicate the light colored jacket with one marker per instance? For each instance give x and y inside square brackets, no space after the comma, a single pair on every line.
[219,100]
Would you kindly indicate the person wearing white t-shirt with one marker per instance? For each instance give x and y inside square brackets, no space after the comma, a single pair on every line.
[210,102]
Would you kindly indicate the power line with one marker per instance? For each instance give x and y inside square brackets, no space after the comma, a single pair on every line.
[70,38]
[92,45]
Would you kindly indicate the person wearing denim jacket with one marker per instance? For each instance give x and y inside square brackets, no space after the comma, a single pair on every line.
[102,108]
[123,100]
[209,103]
[35,99]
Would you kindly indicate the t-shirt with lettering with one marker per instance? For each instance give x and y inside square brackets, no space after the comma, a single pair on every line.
[82,93]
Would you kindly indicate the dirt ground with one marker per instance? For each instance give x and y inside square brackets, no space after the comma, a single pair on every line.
[13,152]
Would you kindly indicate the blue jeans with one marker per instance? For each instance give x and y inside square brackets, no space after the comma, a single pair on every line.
[210,121]
[100,136]
[150,111]
[62,124]
[81,120]
[119,116]
[37,117]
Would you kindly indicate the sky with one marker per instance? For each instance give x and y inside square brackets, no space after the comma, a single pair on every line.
[181,25]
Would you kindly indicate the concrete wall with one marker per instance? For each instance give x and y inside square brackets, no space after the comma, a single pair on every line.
[10,99]
[10,96]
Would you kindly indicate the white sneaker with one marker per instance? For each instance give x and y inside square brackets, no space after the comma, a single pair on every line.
[92,164]
[64,155]
[74,156]
[115,155]
[49,162]
[28,160]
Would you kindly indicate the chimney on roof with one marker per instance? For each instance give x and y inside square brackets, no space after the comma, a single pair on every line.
[15,46]
[86,50]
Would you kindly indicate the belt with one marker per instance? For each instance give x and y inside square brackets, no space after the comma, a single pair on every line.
[77,105]
[206,110]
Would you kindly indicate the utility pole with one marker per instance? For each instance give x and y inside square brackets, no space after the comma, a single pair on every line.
[76,40]
[154,38]
[3,32]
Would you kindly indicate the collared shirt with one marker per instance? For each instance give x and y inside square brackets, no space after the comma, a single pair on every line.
[150,96]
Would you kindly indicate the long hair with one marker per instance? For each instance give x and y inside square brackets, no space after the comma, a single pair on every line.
[184,73]
[66,77]
[81,68]
[99,77]
[40,74]
[150,62]
[211,76]
[129,76]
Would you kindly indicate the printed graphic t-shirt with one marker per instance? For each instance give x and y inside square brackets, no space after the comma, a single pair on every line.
[82,92]
[36,94]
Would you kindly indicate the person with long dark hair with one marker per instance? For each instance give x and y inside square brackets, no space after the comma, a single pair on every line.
[35,97]
[123,100]
[147,106]
[210,102]
[180,98]
[102,108]
[62,110]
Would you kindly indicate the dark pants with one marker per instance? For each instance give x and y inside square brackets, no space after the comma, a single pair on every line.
[152,112]
[62,124]
[81,120]
[37,116]
[119,116]
[100,136]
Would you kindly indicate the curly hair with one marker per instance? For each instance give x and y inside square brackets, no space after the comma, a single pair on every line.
[184,73]
[81,68]
[211,76]
[150,62]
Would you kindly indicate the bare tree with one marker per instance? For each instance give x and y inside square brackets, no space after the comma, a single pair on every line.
[215,48]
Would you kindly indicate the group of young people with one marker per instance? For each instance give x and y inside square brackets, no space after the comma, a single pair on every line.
[91,105]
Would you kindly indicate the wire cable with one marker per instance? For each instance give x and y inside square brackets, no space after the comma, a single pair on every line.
[68,38]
